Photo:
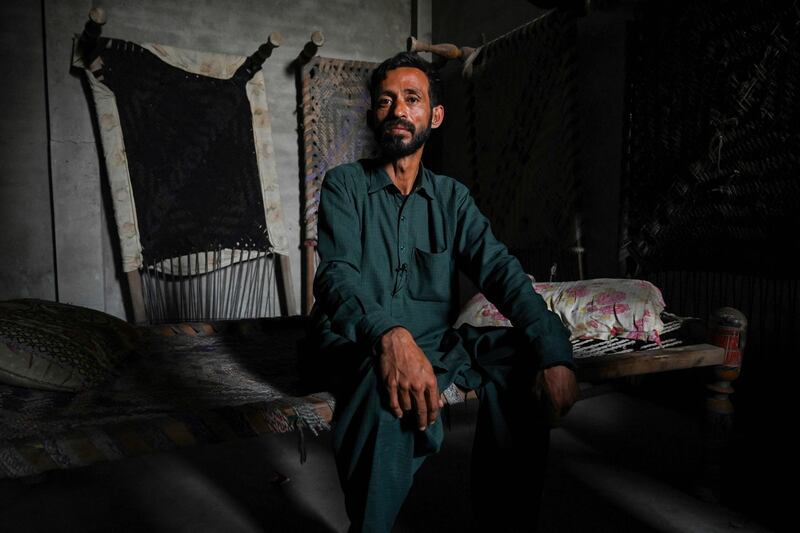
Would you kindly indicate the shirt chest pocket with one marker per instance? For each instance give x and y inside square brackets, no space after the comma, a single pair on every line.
[430,276]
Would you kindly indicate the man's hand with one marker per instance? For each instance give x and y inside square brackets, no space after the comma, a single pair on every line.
[407,374]
[560,386]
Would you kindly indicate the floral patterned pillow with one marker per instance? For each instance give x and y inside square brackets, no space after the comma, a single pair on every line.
[592,309]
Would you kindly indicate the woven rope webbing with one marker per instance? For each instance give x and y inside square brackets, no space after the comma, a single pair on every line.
[188,150]
[522,134]
[713,139]
[334,110]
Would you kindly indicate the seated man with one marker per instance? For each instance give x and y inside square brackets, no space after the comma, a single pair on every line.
[392,235]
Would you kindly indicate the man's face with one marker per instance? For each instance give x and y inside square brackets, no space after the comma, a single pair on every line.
[403,114]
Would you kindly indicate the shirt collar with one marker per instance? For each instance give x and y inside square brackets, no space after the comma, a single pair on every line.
[379,179]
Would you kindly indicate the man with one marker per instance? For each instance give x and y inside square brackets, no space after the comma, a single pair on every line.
[392,236]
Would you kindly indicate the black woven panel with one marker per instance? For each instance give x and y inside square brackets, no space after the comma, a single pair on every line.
[191,154]
[713,138]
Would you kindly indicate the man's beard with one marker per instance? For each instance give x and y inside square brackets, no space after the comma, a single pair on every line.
[392,146]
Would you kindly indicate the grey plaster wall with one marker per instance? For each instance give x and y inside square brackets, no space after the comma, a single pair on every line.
[600,93]
[26,241]
[87,264]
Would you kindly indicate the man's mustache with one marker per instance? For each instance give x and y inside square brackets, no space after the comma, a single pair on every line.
[401,122]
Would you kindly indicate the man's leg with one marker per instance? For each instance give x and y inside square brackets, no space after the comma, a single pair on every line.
[376,454]
[512,435]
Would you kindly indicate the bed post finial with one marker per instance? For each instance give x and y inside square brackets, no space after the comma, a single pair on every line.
[87,43]
[254,62]
[312,46]
[443,50]
[727,329]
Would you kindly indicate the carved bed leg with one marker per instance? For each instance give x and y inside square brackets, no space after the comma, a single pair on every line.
[728,329]
[137,297]
[309,256]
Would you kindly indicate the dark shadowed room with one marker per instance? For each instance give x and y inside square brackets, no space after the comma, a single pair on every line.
[398,265]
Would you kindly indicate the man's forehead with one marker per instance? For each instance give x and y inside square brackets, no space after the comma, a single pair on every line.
[405,78]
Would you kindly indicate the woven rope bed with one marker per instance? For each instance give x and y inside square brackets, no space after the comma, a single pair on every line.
[335,100]
[192,384]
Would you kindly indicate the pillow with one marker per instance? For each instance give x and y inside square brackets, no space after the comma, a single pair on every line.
[591,309]
[54,346]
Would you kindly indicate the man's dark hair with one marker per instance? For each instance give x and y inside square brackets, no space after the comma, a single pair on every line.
[407,59]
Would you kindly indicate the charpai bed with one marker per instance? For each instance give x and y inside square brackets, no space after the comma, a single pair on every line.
[189,384]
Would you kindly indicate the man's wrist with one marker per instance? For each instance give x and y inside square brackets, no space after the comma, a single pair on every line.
[378,345]
[392,334]
[568,364]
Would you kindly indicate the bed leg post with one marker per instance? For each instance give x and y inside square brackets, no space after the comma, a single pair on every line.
[137,297]
[285,286]
[309,255]
[727,329]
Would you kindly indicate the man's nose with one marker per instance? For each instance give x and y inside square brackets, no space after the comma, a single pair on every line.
[400,109]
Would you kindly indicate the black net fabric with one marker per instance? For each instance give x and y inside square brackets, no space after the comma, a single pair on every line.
[523,141]
[191,154]
[713,138]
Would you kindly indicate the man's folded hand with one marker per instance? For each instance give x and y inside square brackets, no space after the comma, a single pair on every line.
[557,387]
[408,377]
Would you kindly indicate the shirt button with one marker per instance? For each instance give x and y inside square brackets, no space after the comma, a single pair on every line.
[402,247]
[402,217]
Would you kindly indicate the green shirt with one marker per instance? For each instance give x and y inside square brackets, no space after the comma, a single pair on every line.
[392,260]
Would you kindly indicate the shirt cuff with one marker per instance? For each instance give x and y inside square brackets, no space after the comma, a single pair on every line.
[554,350]
[372,329]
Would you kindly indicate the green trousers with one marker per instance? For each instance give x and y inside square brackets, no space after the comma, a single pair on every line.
[378,454]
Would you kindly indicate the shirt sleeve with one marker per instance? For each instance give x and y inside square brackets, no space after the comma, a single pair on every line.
[499,276]
[337,285]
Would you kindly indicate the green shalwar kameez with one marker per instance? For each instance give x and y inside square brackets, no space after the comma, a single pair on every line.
[392,260]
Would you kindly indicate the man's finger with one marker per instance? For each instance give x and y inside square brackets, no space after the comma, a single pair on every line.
[435,398]
[422,409]
[405,399]
[432,397]
[394,405]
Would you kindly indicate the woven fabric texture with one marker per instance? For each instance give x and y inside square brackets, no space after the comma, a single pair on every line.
[335,100]
[55,346]
[713,139]
[523,140]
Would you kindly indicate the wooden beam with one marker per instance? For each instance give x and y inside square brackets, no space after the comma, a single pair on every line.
[648,362]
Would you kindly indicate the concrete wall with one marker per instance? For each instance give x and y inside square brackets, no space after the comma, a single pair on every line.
[26,239]
[70,251]
[600,92]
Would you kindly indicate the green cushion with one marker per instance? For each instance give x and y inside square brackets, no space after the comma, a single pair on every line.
[54,346]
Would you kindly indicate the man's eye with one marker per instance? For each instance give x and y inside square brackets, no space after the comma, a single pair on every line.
[383,102]
[412,99]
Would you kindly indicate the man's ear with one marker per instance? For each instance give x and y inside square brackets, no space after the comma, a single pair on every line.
[438,116]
